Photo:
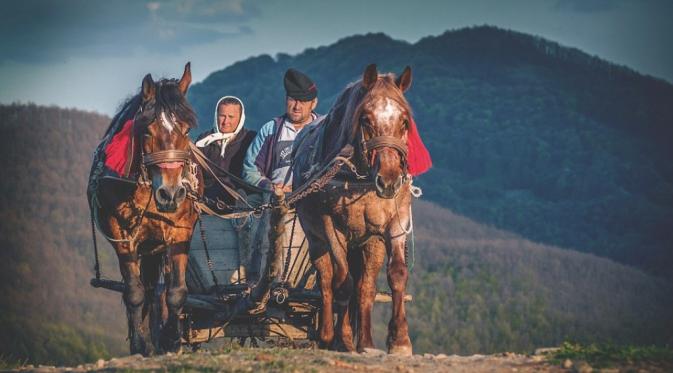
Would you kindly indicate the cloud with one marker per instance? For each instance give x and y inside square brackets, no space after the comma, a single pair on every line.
[38,31]
[588,6]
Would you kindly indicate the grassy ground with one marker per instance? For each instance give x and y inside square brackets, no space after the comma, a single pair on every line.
[615,356]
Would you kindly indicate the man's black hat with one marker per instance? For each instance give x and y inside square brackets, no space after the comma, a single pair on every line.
[299,86]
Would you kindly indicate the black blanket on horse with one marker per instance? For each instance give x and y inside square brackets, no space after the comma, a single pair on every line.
[308,153]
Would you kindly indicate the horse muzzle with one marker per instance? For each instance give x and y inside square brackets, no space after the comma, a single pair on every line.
[169,197]
[388,190]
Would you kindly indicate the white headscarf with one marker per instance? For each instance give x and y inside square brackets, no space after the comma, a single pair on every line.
[217,135]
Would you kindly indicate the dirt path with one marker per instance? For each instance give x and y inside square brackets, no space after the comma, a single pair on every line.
[289,360]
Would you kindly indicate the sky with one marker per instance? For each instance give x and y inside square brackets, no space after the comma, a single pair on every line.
[92,54]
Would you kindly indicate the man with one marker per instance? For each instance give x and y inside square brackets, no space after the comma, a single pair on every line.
[267,164]
[269,157]
[226,145]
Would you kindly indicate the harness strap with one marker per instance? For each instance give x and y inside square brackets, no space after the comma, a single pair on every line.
[165,156]
[95,245]
[384,141]
[201,159]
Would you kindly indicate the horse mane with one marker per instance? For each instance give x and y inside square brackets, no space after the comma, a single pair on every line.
[168,98]
[127,111]
[342,121]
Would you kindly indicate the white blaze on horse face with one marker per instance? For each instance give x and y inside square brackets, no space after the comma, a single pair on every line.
[386,113]
[166,123]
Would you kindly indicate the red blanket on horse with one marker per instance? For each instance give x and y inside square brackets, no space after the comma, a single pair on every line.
[418,158]
[119,151]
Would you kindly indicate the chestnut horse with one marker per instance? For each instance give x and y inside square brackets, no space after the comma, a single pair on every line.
[150,228]
[352,225]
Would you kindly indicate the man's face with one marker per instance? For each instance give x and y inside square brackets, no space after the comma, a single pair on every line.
[228,116]
[299,112]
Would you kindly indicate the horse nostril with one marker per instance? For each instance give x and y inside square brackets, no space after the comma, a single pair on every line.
[379,183]
[162,195]
[398,183]
[180,194]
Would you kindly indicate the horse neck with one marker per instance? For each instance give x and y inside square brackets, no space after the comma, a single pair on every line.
[339,122]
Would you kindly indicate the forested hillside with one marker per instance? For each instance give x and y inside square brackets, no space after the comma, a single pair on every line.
[49,311]
[526,135]
[481,290]
[476,289]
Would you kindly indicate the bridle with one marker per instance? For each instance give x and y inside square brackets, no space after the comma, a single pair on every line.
[165,157]
[368,148]
[172,158]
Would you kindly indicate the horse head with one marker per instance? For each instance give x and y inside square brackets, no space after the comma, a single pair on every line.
[383,116]
[166,118]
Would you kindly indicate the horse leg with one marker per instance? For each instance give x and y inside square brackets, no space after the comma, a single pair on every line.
[398,341]
[342,283]
[323,264]
[134,300]
[373,254]
[176,296]
[150,270]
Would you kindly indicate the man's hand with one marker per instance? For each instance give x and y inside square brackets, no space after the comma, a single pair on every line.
[286,188]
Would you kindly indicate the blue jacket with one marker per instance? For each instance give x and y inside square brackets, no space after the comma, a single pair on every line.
[262,158]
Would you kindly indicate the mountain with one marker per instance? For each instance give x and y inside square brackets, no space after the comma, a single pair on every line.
[526,135]
[477,289]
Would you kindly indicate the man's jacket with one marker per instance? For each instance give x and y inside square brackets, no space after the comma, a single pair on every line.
[270,155]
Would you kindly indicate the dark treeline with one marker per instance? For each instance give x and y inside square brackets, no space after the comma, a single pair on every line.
[526,135]
[480,290]
[476,289]
[50,314]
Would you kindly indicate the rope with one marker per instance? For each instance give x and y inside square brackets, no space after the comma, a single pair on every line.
[415,192]
[413,243]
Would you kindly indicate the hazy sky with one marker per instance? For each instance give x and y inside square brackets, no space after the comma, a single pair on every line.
[91,54]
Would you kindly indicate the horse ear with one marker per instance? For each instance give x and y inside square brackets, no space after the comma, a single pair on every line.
[404,80]
[370,76]
[186,79]
[149,88]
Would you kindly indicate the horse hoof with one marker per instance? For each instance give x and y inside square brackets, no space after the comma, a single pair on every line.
[345,347]
[169,344]
[400,350]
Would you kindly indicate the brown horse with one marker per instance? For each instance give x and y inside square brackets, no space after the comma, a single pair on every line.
[351,225]
[151,227]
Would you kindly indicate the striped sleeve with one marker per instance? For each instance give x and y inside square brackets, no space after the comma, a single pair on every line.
[252,171]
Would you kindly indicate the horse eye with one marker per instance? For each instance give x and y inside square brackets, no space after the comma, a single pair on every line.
[406,124]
